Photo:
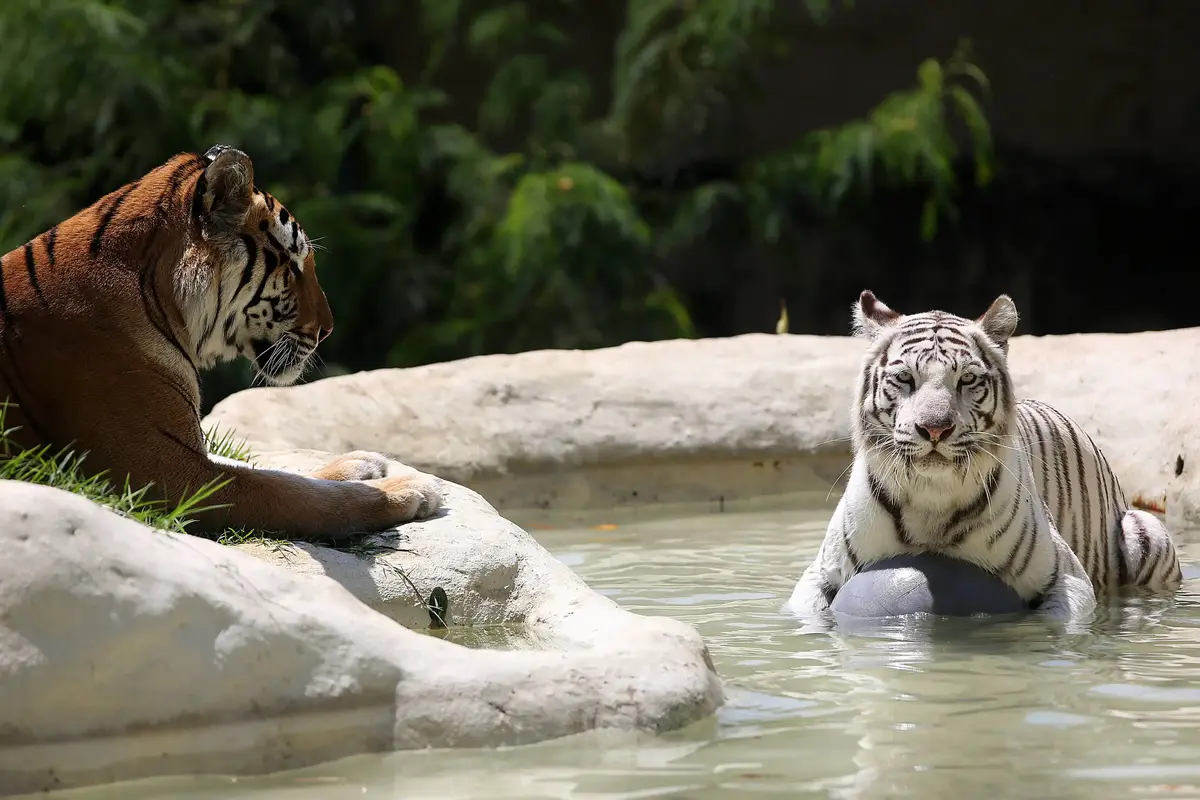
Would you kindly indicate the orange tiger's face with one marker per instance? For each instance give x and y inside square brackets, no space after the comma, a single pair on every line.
[268,305]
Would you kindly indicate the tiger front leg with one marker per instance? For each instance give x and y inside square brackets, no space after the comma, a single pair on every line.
[813,592]
[308,507]
[1071,597]
[825,576]
[423,490]
[353,494]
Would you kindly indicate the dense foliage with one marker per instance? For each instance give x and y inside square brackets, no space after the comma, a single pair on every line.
[538,219]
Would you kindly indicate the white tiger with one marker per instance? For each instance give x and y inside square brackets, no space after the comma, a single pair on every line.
[947,460]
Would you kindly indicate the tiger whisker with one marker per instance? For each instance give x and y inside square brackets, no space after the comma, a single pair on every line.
[276,355]
[1021,485]
[1021,448]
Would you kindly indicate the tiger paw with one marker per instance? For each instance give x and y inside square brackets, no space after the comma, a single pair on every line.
[357,465]
[409,497]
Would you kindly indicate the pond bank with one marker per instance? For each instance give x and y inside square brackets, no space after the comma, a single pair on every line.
[711,421]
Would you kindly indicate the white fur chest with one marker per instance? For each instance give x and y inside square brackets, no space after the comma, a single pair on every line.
[883,520]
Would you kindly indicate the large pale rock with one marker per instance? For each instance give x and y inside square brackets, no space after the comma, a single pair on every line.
[712,420]
[494,572]
[127,652]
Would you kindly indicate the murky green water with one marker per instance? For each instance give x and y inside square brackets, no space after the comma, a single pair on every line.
[929,710]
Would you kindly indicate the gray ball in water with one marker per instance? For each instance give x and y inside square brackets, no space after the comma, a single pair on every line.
[925,583]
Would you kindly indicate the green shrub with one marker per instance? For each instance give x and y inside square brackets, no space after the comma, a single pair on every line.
[441,242]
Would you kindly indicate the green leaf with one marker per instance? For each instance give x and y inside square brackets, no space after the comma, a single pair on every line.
[498,29]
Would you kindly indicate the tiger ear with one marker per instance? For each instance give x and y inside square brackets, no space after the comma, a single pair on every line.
[227,188]
[870,315]
[999,322]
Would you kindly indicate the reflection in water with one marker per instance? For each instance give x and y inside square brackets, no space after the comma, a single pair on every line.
[917,708]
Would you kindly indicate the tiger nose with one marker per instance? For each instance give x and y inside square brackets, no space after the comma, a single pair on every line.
[934,433]
[323,332]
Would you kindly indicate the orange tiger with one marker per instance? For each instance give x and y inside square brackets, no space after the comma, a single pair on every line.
[107,319]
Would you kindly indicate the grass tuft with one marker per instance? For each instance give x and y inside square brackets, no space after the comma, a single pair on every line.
[227,445]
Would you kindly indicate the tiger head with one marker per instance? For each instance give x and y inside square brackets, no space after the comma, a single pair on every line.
[255,293]
[934,390]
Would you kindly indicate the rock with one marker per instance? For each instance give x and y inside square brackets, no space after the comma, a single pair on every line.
[714,420]
[128,652]
[494,572]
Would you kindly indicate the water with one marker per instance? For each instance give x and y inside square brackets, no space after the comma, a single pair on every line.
[927,710]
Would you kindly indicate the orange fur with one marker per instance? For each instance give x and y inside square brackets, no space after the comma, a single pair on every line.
[107,318]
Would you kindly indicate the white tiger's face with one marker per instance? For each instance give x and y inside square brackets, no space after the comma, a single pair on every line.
[935,390]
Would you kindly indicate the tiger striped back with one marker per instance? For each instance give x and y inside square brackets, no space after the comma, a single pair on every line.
[1117,545]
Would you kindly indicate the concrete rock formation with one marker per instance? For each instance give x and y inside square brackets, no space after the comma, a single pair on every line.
[127,652]
[713,421]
